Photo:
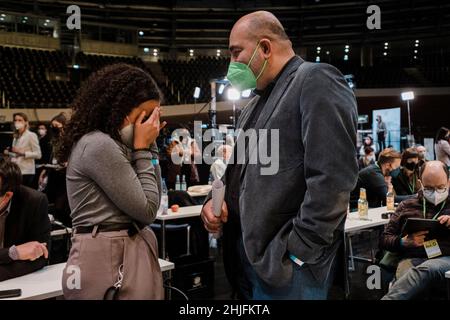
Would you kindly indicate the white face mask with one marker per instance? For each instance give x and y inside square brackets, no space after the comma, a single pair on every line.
[42,132]
[127,135]
[19,125]
[435,197]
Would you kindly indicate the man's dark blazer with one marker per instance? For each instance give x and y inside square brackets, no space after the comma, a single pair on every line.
[27,221]
[301,209]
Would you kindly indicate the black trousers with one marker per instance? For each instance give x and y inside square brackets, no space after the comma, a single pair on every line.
[381,141]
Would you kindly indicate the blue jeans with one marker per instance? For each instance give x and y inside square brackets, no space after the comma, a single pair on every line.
[303,285]
[418,278]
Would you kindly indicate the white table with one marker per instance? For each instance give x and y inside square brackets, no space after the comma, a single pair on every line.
[46,283]
[183,212]
[354,224]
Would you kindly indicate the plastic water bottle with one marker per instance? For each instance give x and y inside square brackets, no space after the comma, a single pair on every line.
[177,183]
[164,198]
[183,183]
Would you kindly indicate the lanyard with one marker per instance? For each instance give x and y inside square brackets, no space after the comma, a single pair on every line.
[437,214]
[413,187]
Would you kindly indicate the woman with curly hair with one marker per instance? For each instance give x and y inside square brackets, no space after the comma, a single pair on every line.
[113,185]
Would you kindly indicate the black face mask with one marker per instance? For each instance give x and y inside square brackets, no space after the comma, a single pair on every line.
[411,166]
[55,131]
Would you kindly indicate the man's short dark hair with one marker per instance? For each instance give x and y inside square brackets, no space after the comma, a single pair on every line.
[10,176]
[388,155]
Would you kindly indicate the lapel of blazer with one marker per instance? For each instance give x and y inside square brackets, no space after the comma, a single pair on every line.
[274,98]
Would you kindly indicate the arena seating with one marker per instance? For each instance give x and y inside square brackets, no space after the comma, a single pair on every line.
[43,78]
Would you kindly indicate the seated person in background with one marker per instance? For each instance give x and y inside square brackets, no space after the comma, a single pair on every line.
[415,271]
[422,152]
[219,166]
[24,225]
[376,178]
[367,142]
[405,179]
[367,159]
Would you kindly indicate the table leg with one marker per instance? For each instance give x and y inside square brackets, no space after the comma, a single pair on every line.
[351,256]
[168,281]
[163,239]
[448,288]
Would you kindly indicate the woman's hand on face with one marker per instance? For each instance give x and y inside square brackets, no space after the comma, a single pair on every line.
[145,133]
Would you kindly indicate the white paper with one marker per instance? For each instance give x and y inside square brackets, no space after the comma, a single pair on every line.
[218,195]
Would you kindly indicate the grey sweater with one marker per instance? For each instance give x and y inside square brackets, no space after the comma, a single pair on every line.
[107,183]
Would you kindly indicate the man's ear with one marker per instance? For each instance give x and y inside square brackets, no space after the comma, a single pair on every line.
[266,46]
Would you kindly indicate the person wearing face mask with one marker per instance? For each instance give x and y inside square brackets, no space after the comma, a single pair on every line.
[405,179]
[368,158]
[114,185]
[422,152]
[24,225]
[46,151]
[442,146]
[52,180]
[25,149]
[182,152]
[368,142]
[416,271]
[376,179]
[283,227]
[44,144]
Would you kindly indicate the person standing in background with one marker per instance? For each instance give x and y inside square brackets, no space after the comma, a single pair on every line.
[422,152]
[381,134]
[44,144]
[53,179]
[46,151]
[25,148]
[185,148]
[442,146]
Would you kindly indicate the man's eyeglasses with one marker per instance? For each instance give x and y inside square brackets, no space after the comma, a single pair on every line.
[438,190]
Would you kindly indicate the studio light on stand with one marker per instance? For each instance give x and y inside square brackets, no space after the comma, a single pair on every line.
[233,95]
[408,96]
[196,95]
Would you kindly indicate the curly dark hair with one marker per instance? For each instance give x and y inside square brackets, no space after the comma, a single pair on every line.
[104,101]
